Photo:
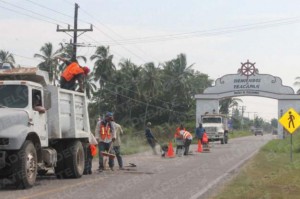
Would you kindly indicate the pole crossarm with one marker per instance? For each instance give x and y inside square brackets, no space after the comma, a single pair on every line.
[74,30]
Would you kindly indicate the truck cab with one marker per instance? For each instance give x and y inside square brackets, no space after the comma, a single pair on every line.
[216,127]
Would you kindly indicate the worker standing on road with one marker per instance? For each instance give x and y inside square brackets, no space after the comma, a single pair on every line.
[150,138]
[199,132]
[117,143]
[187,140]
[179,139]
[90,151]
[73,72]
[105,135]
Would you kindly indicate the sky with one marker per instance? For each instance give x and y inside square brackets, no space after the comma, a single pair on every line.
[216,35]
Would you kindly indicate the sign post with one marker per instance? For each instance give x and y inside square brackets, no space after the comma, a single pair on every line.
[290,121]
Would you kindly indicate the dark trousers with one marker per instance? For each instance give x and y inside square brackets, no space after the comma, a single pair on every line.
[187,144]
[88,160]
[151,142]
[69,85]
[105,147]
[118,155]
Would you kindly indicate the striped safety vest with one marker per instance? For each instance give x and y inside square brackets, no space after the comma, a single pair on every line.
[187,135]
[105,131]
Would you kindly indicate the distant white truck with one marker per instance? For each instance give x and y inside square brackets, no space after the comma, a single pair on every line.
[216,127]
[33,141]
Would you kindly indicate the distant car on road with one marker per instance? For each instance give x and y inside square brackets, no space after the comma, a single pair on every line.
[258,131]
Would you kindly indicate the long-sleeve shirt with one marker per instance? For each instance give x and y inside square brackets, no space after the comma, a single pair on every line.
[148,133]
[199,132]
[112,131]
[119,132]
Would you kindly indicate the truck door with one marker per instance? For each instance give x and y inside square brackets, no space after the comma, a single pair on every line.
[39,116]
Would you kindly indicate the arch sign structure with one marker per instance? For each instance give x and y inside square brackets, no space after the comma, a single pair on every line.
[247,82]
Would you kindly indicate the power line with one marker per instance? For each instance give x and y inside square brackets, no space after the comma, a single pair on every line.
[145,103]
[19,7]
[107,35]
[120,36]
[12,10]
[45,7]
[48,8]
[205,33]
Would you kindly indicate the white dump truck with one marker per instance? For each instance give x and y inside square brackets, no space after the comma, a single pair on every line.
[216,127]
[41,127]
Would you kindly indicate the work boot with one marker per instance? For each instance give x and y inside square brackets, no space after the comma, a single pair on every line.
[100,170]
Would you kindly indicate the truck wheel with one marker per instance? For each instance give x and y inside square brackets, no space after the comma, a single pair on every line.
[25,168]
[74,160]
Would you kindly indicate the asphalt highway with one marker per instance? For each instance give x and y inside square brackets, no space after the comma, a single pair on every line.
[193,176]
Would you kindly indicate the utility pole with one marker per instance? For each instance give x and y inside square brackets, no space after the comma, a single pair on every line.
[74,30]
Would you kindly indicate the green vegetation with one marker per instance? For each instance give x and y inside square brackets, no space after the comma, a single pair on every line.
[236,134]
[270,174]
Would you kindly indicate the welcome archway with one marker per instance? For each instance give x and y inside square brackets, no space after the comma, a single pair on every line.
[247,82]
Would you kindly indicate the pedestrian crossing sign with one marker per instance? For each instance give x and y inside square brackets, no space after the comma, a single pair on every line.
[290,120]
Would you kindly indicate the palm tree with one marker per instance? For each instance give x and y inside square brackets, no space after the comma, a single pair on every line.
[67,52]
[151,84]
[227,103]
[49,61]
[7,57]
[103,66]
[176,75]
[89,85]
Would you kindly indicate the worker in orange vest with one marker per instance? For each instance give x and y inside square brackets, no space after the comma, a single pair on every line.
[187,140]
[105,135]
[178,138]
[73,72]
[90,152]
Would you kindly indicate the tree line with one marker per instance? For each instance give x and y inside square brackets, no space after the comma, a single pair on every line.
[160,93]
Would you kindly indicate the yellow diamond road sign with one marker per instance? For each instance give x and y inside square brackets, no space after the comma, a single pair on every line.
[290,120]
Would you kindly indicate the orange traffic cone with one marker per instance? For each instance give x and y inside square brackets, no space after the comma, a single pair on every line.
[170,153]
[199,146]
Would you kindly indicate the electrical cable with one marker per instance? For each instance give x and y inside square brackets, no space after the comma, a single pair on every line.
[9,9]
[19,7]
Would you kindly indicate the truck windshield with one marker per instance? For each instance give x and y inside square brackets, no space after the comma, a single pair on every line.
[211,120]
[13,96]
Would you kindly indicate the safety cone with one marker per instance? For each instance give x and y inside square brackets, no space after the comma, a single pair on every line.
[199,150]
[170,153]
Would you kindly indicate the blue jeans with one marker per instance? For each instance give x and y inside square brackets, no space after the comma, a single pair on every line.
[105,147]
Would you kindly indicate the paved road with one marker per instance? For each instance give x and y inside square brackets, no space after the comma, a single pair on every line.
[153,178]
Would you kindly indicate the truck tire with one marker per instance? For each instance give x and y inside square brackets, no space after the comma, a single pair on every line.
[74,160]
[25,167]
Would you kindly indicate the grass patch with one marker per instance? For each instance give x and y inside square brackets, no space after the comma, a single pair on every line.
[270,174]
[134,145]
[236,134]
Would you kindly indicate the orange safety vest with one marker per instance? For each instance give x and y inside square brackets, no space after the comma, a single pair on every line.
[72,70]
[105,131]
[204,138]
[187,135]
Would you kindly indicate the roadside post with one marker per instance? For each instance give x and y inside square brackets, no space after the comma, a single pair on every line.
[290,121]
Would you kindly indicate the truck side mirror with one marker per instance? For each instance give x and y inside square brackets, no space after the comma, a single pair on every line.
[47,99]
